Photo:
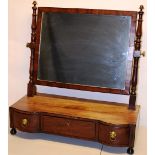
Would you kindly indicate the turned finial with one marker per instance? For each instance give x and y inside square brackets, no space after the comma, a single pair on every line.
[141,7]
[141,11]
[34,3]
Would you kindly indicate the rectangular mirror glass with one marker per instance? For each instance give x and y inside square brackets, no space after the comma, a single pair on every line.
[91,50]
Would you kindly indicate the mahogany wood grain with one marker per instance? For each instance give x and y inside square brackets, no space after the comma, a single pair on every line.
[74,117]
[106,112]
[32,124]
[68,127]
[132,135]
[132,14]
[122,135]
[87,11]
[31,88]
[132,100]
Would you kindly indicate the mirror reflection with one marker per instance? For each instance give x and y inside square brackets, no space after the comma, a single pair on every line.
[85,49]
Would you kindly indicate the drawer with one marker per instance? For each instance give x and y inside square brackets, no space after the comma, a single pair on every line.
[68,127]
[26,122]
[114,135]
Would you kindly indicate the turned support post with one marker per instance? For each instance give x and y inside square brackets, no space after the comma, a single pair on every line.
[136,55]
[31,89]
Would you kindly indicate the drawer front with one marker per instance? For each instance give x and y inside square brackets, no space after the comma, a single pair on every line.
[113,135]
[68,127]
[26,122]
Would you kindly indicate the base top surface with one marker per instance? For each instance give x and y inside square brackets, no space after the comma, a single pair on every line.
[106,112]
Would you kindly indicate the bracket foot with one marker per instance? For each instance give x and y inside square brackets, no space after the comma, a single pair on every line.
[130,150]
[13,131]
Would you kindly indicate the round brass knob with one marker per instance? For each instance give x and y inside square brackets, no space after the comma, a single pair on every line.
[113,136]
[24,122]
[142,53]
[28,45]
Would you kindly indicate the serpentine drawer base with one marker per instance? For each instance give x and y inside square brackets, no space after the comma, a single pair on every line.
[25,118]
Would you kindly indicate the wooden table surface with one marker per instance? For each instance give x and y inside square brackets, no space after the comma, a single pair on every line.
[108,112]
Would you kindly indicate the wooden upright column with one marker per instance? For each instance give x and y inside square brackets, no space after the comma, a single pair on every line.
[31,89]
[136,55]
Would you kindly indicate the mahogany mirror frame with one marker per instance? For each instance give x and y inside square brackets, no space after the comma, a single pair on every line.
[132,67]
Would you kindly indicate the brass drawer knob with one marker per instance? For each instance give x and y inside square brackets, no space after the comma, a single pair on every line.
[24,122]
[142,53]
[113,136]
